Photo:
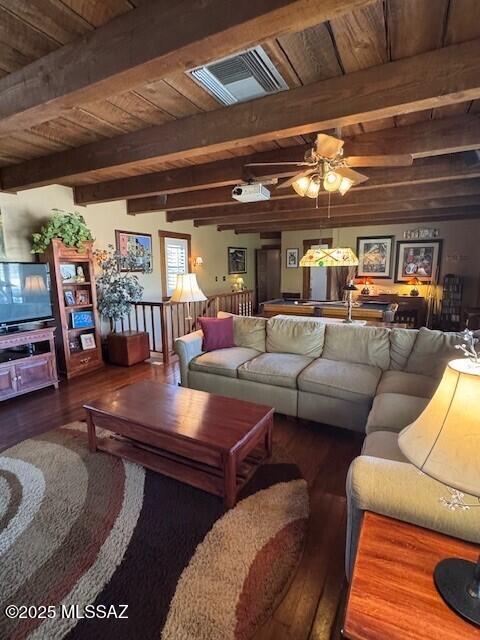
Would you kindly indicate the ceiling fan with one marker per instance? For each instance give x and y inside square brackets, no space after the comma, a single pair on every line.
[324,164]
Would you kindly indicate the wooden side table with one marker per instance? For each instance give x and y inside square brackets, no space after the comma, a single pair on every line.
[128,347]
[392,593]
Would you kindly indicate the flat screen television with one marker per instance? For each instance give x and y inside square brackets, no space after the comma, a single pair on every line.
[24,293]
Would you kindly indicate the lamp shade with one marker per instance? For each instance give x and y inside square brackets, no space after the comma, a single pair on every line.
[187,289]
[444,441]
[336,257]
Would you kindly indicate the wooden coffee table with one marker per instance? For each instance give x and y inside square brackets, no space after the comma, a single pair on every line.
[208,441]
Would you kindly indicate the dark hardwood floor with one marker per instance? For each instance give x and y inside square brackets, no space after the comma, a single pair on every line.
[313,606]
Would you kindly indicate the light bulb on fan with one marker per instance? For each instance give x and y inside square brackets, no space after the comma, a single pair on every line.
[331,181]
[345,185]
[307,186]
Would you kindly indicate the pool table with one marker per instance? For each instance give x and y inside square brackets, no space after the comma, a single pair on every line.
[370,311]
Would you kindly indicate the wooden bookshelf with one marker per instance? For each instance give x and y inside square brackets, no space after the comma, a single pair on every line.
[72,359]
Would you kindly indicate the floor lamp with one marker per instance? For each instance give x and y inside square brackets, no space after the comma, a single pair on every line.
[187,291]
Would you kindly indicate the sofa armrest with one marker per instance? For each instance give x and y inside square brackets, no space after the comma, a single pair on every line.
[187,347]
[399,490]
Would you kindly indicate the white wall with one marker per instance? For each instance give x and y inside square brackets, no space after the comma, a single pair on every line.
[460,252]
[24,213]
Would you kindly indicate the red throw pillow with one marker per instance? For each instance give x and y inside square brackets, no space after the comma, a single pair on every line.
[217,333]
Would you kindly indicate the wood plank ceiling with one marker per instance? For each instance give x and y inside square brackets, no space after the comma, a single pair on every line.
[382,32]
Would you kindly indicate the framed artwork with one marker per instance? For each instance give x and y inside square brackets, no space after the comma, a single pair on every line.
[68,272]
[69,298]
[88,341]
[82,296]
[74,344]
[292,258]
[375,256]
[418,258]
[137,246]
[82,319]
[237,260]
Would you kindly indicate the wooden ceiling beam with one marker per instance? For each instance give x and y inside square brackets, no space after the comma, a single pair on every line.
[466,213]
[430,138]
[377,92]
[402,193]
[440,169]
[148,43]
[372,208]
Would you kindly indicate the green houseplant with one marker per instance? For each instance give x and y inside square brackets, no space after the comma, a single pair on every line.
[67,226]
[117,290]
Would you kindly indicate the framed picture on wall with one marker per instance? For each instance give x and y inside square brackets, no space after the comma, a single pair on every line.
[237,260]
[134,245]
[375,256]
[292,258]
[418,258]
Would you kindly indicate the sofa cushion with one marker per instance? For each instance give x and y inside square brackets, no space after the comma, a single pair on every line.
[410,384]
[343,380]
[223,362]
[287,334]
[248,331]
[363,345]
[394,411]
[431,352]
[280,369]
[383,444]
[217,333]
[401,345]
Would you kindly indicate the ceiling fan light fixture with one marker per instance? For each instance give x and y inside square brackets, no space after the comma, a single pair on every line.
[345,185]
[332,181]
[307,186]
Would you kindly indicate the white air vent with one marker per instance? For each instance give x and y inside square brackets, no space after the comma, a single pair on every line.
[244,76]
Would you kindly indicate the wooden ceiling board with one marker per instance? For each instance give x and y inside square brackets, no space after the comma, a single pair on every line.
[112,114]
[360,38]
[66,132]
[135,104]
[415,26]
[19,35]
[98,12]
[52,17]
[463,21]
[184,85]
[169,99]
[11,59]
[311,53]
[282,63]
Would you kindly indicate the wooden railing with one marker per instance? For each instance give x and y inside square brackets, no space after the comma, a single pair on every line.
[166,321]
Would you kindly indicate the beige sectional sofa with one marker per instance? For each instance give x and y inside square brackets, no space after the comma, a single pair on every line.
[369,379]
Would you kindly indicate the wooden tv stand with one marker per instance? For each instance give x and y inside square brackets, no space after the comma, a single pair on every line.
[31,369]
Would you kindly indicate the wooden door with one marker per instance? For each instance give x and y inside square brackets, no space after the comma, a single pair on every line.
[8,380]
[268,274]
[34,372]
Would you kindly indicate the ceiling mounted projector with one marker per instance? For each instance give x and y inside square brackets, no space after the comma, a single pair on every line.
[250,192]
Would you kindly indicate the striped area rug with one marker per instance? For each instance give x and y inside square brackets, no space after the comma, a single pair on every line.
[86,533]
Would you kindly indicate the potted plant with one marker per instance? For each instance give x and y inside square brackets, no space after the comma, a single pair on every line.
[117,290]
[67,226]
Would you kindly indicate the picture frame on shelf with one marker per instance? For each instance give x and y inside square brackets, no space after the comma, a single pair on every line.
[82,297]
[82,319]
[68,272]
[138,246]
[69,296]
[74,344]
[418,258]
[237,260]
[292,258]
[375,256]
[88,341]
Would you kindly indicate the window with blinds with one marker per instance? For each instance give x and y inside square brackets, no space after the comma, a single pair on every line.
[176,261]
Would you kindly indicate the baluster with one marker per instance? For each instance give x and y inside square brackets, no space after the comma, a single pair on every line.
[144,318]
[164,330]
[152,315]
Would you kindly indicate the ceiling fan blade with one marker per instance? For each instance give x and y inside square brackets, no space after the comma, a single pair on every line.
[276,164]
[403,160]
[328,146]
[350,174]
[290,181]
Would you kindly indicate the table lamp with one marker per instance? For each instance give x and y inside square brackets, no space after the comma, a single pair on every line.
[414,282]
[444,443]
[367,282]
[187,290]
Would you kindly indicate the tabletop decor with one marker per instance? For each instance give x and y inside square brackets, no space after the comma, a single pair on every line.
[375,256]
[67,226]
